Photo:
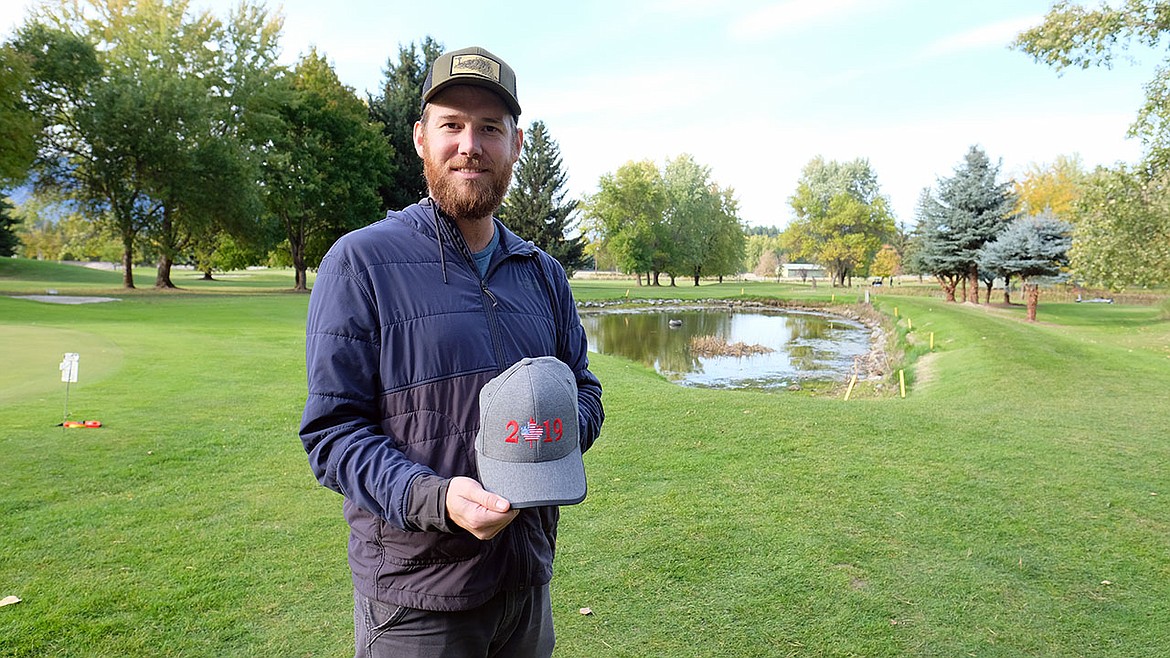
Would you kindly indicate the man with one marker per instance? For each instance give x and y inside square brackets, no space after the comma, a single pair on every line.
[408,319]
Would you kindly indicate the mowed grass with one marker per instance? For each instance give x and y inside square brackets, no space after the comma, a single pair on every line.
[1014,503]
[28,277]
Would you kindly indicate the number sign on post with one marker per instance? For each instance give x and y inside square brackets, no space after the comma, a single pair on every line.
[69,367]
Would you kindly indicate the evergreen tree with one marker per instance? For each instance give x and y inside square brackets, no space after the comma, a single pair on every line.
[766,231]
[535,207]
[397,108]
[969,210]
[1029,247]
[8,223]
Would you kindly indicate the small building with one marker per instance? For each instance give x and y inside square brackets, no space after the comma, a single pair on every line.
[802,271]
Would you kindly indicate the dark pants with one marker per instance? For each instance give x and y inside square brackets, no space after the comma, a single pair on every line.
[510,624]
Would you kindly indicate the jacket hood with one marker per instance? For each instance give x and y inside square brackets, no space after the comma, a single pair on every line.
[427,218]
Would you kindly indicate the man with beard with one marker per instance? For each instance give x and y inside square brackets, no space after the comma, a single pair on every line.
[408,319]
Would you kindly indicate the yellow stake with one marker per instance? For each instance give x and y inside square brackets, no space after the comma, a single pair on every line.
[909,324]
[902,382]
[932,341]
[850,389]
[895,311]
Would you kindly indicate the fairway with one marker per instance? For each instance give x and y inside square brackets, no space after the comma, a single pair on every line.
[1015,503]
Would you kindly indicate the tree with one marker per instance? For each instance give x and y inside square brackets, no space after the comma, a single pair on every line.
[703,234]
[626,213]
[727,241]
[325,166]
[1054,188]
[224,253]
[969,210]
[18,124]
[396,109]
[676,221]
[136,101]
[8,222]
[1122,235]
[215,147]
[53,229]
[763,252]
[887,263]
[841,217]
[73,159]
[535,207]
[1035,246]
[1073,36]
[767,265]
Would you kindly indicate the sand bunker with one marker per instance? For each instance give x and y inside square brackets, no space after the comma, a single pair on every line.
[67,299]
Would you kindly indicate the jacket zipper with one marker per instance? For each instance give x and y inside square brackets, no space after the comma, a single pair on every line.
[493,323]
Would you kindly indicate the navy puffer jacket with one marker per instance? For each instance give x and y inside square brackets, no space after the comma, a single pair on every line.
[402,333]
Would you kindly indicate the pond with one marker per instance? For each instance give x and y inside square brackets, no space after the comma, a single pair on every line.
[808,347]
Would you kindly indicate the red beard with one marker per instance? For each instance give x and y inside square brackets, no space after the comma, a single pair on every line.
[466,200]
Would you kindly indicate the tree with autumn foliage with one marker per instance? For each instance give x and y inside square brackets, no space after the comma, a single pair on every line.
[1122,238]
[887,263]
[1053,188]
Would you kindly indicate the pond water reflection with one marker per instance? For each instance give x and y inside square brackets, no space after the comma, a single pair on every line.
[808,347]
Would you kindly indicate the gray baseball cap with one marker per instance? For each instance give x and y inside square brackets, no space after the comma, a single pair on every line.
[472,66]
[527,448]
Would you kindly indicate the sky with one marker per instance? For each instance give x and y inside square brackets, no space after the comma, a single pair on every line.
[753,89]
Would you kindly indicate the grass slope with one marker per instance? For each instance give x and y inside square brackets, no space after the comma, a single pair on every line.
[1014,503]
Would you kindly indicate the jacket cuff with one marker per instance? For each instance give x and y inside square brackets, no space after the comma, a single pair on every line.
[426,504]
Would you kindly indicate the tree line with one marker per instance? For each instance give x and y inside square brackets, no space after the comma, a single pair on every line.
[1105,228]
[177,137]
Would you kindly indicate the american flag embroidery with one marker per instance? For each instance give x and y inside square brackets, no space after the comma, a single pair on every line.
[532,432]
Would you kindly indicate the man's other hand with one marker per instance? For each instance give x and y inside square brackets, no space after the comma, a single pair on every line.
[480,512]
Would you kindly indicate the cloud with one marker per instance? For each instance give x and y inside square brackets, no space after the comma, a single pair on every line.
[792,14]
[994,35]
